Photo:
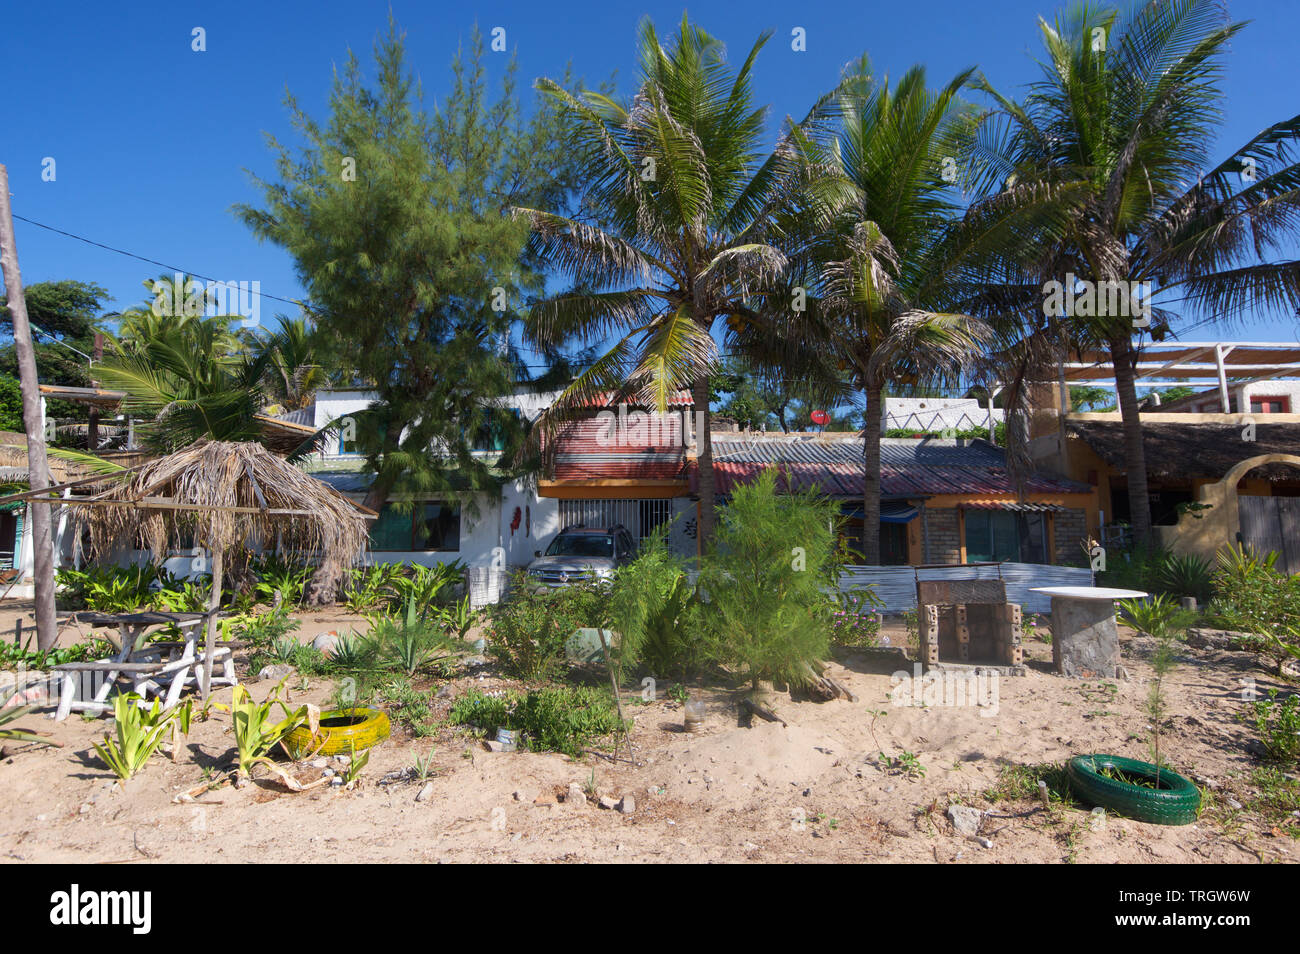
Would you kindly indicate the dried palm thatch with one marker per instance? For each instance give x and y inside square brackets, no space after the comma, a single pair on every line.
[224,496]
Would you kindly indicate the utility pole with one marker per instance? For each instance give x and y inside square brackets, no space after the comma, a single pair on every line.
[38,464]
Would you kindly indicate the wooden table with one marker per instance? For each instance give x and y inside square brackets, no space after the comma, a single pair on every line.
[151,667]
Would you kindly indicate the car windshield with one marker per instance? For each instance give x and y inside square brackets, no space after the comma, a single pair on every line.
[581,545]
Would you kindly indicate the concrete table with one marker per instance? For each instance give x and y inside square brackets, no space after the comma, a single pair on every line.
[1085,643]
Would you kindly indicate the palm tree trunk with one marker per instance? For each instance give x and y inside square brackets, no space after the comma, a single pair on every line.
[704,460]
[1139,503]
[871,478]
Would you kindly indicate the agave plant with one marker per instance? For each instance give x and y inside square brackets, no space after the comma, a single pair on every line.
[139,734]
[12,713]
[255,734]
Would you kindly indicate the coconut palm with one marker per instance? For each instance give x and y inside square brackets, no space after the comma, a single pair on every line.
[1119,128]
[294,374]
[883,278]
[678,228]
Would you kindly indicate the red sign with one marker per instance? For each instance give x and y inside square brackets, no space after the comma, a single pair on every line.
[820,417]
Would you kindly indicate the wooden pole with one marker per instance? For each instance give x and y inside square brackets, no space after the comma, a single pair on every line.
[210,637]
[38,464]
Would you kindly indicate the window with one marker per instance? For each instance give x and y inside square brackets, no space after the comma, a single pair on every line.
[429,525]
[994,535]
[641,517]
[1261,404]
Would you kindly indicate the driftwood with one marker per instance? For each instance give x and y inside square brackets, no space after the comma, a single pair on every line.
[823,687]
[762,711]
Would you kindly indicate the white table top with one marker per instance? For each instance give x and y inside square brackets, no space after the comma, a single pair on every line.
[1090,592]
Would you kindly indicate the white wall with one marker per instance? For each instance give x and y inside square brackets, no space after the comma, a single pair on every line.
[936,414]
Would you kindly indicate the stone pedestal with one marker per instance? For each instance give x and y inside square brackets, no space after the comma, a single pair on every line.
[1085,643]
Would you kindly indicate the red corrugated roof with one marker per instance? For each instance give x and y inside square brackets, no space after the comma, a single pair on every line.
[846,480]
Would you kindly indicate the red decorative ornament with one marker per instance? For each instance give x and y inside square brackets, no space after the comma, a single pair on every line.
[820,417]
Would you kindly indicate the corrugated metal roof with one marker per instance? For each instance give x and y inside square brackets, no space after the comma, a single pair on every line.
[919,468]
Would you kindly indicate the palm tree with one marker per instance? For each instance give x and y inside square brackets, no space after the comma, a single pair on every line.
[883,277]
[1118,130]
[294,374]
[677,228]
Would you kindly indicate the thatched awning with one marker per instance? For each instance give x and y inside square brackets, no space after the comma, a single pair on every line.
[224,496]
[1186,451]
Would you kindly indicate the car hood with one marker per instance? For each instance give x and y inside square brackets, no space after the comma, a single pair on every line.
[571,564]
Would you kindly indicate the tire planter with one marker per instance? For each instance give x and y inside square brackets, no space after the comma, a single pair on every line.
[341,731]
[1175,802]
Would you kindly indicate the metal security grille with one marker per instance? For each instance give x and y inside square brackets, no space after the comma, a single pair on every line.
[641,517]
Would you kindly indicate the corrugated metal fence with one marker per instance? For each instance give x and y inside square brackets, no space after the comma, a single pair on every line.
[896,585]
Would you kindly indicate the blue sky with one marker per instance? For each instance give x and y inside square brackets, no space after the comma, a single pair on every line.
[150,138]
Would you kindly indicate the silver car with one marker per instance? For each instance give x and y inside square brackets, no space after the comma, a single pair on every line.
[583,555]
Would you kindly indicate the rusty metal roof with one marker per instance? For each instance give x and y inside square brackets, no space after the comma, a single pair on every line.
[908,468]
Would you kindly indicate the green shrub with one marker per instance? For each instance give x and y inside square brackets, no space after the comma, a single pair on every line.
[527,631]
[429,586]
[764,581]
[1278,725]
[855,619]
[563,719]
[1256,597]
[411,643]
[280,574]
[654,609]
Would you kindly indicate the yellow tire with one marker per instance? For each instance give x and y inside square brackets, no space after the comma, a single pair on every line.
[341,731]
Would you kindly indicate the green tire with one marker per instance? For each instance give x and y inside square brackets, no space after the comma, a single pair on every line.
[1175,802]
[357,729]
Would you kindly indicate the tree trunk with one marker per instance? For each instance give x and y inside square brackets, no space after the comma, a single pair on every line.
[704,461]
[210,624]
[1139,502]
[38,464]
[871,479]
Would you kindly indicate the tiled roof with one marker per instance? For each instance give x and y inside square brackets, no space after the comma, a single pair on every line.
[907,467]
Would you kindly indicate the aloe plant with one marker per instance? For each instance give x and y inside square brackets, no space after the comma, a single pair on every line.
[13,714]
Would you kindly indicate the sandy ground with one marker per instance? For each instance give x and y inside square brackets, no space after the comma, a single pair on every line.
[815,789]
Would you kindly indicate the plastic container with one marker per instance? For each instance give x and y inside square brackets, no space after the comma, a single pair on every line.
[509,739]
[693,715]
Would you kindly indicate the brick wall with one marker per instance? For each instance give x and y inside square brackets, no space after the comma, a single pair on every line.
[1071,529]
[944,543]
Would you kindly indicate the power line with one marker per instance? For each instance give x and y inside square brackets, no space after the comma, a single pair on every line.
[119,251]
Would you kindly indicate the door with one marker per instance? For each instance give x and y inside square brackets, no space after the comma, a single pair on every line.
[1272,525]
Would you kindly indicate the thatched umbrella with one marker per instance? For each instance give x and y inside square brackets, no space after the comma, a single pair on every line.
[222,496]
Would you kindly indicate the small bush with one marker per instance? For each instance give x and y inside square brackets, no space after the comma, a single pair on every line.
[528,630]
[656,613]
[558,719]
[764,578]
[1278,725]
[855,619]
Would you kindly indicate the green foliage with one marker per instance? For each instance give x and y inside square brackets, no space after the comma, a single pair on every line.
[282,575]
[555,719]
[12,713]
[255,732]
[368,588]
[527,631]
[139,733]
[1187,575]
[1166,622]
[428,586]
[108,589]
[1253,595]
[409,705]
[419,197]
[855,620]
[67,311]
[410,645]
[265,629]
[655,611]
[187,598]
[1277,723]
[11,405]
[763,581]
[16,657]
